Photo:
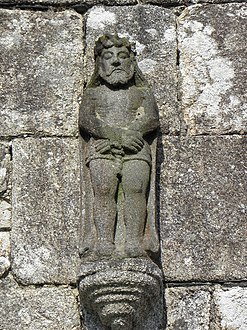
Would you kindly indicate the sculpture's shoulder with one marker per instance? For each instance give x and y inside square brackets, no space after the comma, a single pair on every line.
[148,98]
[146,91]
[91,93]
[89,99]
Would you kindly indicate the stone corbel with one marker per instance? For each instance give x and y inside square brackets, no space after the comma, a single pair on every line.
[122,294]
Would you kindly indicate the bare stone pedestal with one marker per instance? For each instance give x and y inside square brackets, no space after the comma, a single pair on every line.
[121,294]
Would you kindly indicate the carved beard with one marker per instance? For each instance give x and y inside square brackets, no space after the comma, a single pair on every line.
[117,76]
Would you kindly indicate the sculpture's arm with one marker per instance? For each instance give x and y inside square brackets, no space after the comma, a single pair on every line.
[91,125]
[147,119]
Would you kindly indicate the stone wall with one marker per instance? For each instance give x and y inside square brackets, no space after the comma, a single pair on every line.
[194,55]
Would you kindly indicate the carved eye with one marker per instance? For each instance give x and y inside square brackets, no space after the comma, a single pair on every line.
[123,55]
[107,55]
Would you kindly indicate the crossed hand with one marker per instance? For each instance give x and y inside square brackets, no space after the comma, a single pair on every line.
[131,143]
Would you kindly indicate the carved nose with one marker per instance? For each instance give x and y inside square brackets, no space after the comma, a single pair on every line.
[116,61]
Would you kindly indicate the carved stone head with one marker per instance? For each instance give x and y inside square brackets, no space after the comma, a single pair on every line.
[115,63]
[115,60]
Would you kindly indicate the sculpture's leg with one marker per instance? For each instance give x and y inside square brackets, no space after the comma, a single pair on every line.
[105,184]
[135,180]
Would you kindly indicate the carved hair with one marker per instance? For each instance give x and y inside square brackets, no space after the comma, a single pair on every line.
[107,41]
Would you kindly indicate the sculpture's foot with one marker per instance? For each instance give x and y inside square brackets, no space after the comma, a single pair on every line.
[104,249]
[134,249]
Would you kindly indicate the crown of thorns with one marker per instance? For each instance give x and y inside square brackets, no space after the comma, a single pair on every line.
[110,40]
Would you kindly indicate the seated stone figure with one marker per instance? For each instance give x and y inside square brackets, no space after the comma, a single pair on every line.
[117,114]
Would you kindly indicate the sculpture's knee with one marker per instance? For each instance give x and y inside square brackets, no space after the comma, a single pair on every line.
[136,176]
[104,180]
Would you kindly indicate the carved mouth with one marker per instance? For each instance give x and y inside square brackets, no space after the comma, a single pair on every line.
[117,70]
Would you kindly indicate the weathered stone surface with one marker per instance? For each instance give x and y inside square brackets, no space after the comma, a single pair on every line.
[29,308]
[4,167]
[70,2]
[188,308]
[213,68]
[4,252]
[231,308]
[153,30]
[203,208]
[46,210]
[40,72]
[5,215]
[108,2]
[183,2]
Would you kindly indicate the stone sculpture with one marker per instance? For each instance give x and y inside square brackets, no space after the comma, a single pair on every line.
[118,117]
[118,281]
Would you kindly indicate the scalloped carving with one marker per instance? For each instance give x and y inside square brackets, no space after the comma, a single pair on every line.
[120,293]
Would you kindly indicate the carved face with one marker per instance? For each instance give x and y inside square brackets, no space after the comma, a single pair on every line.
[115,66]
